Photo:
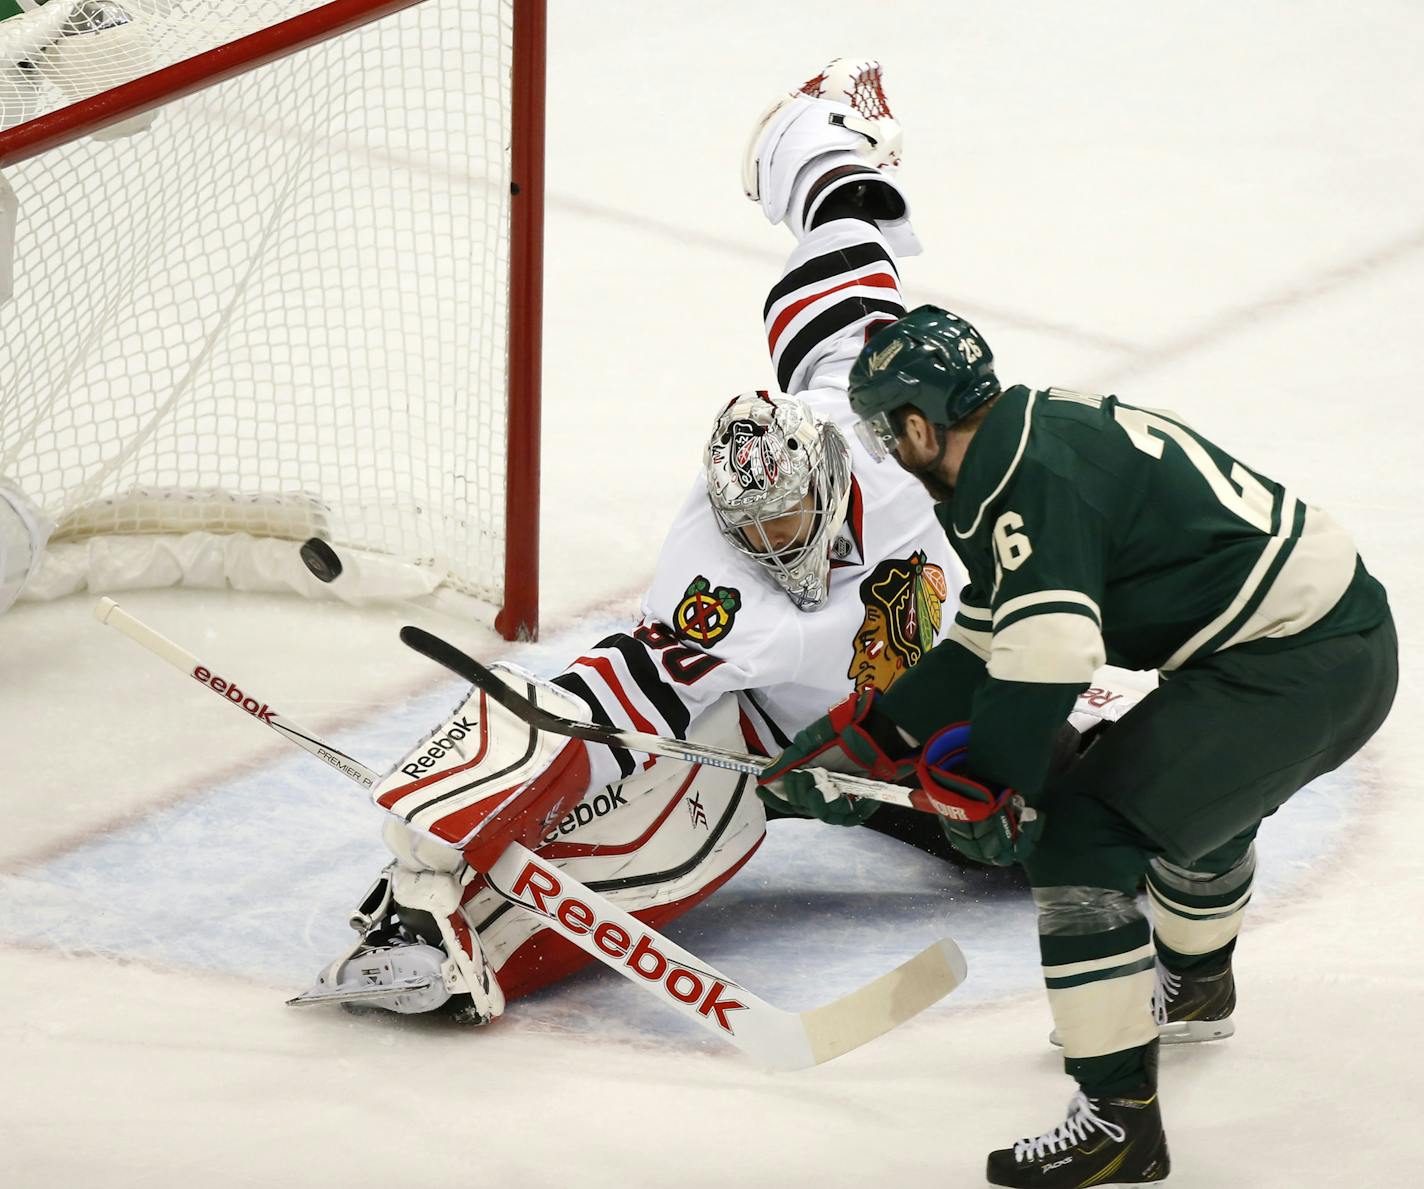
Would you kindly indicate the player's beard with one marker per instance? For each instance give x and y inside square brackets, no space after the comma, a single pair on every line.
[940,490]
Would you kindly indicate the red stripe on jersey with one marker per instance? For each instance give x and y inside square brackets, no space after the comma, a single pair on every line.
[581,850]
[879,280]
[388,800]
[601,666]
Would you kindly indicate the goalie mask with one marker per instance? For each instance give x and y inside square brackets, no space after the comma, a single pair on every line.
[779,483]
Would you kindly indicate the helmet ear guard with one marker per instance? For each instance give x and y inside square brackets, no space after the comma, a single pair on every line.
[769,459]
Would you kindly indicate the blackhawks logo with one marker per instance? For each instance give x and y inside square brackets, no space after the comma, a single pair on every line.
[904,606]
[754,458]
[706,615]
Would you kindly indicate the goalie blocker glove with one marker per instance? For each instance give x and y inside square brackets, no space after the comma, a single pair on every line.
[853,737]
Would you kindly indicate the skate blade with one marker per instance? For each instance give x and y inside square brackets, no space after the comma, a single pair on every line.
[1181,1033]
[1195,1031]
[360,994]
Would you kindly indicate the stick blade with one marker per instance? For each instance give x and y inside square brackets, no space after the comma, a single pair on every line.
[885,1003]
[442,652]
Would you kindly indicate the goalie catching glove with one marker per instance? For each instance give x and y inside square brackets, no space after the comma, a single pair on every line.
[986,823]
[833,138]
[853,737]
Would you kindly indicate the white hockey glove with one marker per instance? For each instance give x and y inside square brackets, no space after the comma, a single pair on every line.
[835,131]
[484,778]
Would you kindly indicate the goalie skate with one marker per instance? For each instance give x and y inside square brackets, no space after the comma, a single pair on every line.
[407,961]
[400,978]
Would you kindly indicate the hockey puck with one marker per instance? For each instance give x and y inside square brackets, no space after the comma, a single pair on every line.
[321,559]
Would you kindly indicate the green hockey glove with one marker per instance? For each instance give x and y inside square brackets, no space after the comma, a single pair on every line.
[986,823]
[853,737]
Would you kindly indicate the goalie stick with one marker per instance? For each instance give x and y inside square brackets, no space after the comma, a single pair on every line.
[832,784]
[768,1035]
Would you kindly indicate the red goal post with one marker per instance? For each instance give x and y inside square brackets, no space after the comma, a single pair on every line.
[305,301]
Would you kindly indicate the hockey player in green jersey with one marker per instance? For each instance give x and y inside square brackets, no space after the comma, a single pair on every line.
[1091,531]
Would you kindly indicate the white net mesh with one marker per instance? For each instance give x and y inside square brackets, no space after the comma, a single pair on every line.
[292,287]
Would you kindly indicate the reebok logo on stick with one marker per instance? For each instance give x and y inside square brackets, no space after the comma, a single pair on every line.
[543,891]
[258,710]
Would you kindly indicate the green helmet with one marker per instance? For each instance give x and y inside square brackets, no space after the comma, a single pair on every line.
[929,359]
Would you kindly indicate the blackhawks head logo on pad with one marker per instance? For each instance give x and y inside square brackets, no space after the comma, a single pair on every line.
[705,615]
[904,600]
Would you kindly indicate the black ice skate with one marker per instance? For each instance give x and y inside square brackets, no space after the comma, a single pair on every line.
[1104,1141]
[1196,1004]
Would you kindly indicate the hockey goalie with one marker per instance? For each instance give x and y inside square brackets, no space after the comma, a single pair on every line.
[795,575]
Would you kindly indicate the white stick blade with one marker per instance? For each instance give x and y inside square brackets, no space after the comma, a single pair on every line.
[886,1003]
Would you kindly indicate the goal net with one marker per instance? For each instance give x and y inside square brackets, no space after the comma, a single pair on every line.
[248,310]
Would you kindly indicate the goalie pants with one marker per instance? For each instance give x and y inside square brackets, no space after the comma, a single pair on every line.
[1174,794]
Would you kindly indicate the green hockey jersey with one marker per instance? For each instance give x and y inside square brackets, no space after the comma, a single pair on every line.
[1096,532]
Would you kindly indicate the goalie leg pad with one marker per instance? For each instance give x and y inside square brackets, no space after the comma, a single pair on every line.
[657,845]
[484,778]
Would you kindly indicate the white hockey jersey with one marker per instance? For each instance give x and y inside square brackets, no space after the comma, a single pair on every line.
[714,622]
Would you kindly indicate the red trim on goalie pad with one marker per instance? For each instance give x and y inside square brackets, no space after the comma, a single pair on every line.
[550,795]
[547,957]
[462,932]
[388,800]
[582,850]
[876,280]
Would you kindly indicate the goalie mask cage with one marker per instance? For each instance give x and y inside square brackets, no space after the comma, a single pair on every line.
[276,274]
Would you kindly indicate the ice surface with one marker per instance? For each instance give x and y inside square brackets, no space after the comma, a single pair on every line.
[1216,211]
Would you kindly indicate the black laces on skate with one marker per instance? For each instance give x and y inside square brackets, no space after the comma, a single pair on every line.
[1083,1119]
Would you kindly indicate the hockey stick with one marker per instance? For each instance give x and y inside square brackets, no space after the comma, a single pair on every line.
[109,612]
[833,784]
[772,1037]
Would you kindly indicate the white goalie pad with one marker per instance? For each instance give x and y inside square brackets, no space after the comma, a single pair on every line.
[653,844]
[484,778]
